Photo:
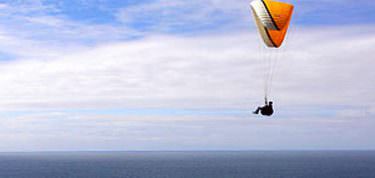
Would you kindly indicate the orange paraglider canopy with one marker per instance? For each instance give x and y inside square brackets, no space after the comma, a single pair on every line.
[272,19]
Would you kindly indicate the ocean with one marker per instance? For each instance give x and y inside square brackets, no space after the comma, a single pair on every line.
[252,164]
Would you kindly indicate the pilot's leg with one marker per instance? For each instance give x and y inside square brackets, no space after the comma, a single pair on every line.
[257,111]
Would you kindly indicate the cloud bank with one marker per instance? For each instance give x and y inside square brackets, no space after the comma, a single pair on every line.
[144,82]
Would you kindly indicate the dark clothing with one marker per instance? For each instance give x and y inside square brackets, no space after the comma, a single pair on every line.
[266,110]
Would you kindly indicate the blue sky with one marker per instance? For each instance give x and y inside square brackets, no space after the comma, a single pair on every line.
[181,75]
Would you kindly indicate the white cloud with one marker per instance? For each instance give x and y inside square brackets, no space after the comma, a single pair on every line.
[80,131]
[319,68]
[34,29]
[323,77]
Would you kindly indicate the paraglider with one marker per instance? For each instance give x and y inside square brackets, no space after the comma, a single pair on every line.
[272,19]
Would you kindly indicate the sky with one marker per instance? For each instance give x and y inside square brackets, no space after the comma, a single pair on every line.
[102,75]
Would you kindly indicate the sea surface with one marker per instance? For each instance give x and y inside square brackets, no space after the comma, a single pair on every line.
[255,164]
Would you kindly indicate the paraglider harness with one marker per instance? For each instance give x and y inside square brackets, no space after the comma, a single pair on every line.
[266,110]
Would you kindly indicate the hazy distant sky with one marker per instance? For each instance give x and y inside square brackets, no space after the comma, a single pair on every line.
[182,75]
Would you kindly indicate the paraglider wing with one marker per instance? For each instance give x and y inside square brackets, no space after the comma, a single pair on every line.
[272,19]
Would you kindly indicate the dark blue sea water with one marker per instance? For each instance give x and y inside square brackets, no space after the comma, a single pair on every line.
[329,164]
